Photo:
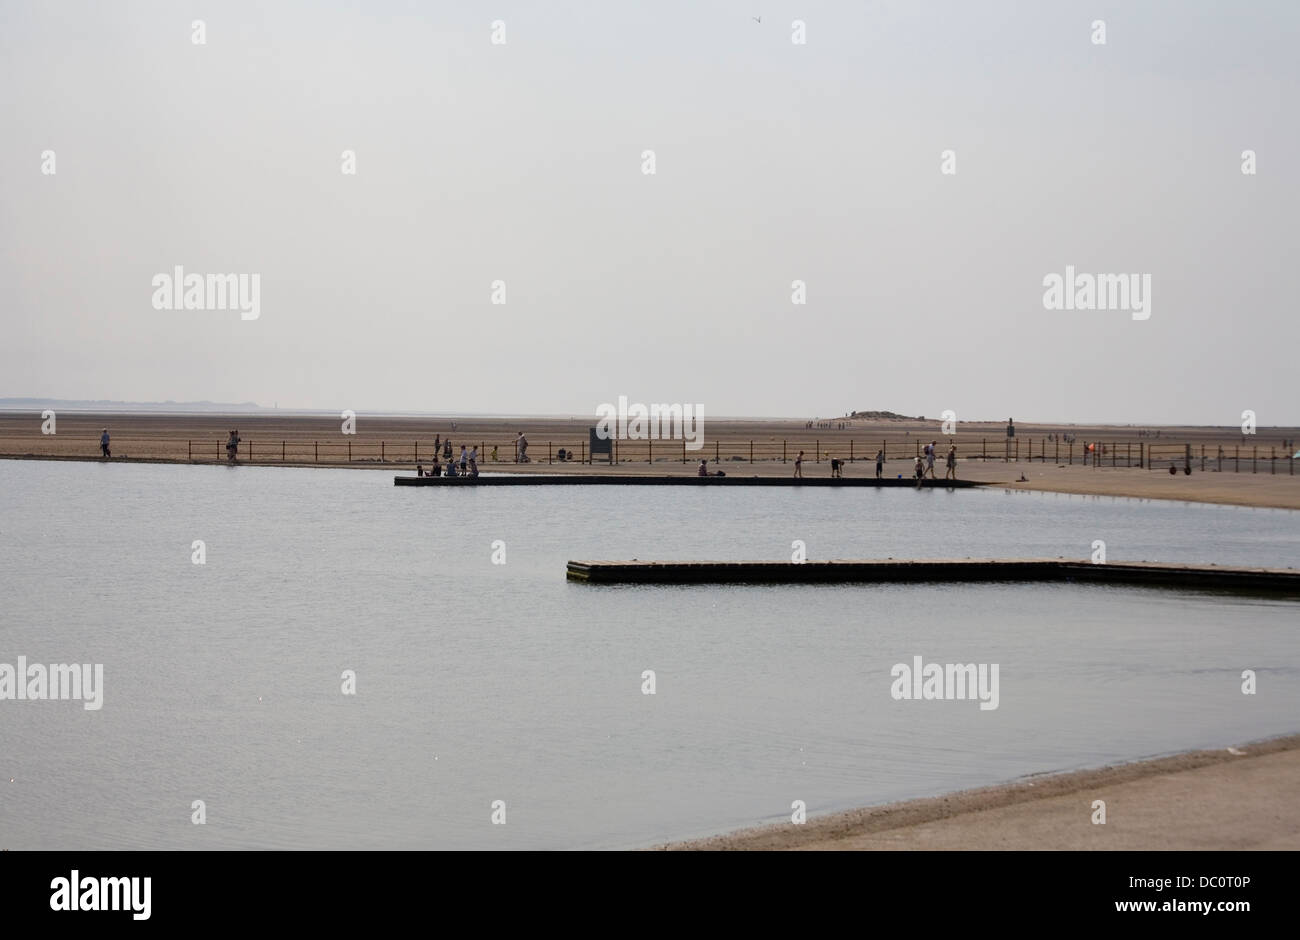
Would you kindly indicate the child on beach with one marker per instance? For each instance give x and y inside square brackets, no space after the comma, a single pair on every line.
[920,472]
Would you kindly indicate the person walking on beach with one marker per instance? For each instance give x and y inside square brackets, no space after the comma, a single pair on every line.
[952,463]
[880,463]
[929,458]
[798,466]
[494,453]
[103,445]
[464,459]
[232,446]
[473,461]
[446,450]
[521,448]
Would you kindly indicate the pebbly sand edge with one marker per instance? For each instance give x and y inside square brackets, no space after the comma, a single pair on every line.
[1199,800]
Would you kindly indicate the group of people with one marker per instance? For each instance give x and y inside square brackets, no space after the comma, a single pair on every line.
[924,464]
[465,466]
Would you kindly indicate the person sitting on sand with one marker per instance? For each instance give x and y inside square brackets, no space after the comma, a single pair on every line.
[103,444]
[419,469]
[451,468]
[704,468]
[435,468]
[952,463]
[798,466]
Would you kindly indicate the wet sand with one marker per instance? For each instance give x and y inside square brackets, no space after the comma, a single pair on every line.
[1201,800]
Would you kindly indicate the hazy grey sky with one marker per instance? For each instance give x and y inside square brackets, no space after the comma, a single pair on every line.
[774,162]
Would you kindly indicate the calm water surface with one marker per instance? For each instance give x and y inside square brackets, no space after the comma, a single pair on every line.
[479,682]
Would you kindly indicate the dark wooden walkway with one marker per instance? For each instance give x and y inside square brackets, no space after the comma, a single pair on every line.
[1285,580]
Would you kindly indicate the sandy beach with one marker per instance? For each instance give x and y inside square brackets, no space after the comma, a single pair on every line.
[1203,800]
[1253,472]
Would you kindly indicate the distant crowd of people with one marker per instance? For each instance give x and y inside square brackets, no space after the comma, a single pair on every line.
[924,463]
[466,464]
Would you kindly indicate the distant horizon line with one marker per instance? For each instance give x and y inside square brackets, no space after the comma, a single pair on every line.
[14,405]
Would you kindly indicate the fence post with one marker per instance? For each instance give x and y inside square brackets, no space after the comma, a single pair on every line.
[584,453]
[1272,460]
[751,451]
[317,452]
[548,452]
[383,456]
[1254,456]
[282,450]
[717,452]
[817,455]
[250,451]
[683,450]
[349,450]
[783,452]
[649,450]
[189,447]
[850,451]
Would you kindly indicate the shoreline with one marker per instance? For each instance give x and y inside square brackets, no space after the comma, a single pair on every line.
[1258,491]
[1243,797]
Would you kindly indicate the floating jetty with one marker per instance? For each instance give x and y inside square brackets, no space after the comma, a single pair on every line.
[1286,580]
[632,479]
